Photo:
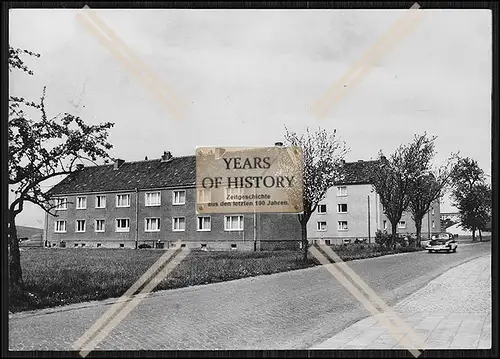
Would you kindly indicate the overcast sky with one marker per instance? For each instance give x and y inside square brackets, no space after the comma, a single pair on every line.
[245,74]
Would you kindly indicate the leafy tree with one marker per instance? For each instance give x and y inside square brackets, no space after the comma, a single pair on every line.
[322,154]
[41,149]
[395,178]
[471,195]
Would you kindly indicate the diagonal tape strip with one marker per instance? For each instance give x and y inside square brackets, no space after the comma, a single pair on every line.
[372,295]
[134,302]
[366,58]
[128,51]
[364,70]
[332,268]
[121,302]
[381,47]
[151,85]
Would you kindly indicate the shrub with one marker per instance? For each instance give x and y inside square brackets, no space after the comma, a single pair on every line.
[383,239]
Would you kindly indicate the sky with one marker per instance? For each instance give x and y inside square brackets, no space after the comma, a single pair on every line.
[246,74]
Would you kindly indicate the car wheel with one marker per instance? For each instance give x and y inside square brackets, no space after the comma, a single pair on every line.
[455,249]
[430,250]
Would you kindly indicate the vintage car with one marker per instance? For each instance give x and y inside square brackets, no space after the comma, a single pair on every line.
[442,242]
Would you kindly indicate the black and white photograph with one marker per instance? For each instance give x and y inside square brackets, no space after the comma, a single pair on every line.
[314,179]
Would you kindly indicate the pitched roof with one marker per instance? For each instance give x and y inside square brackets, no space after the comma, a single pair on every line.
[357,172]
[179,171]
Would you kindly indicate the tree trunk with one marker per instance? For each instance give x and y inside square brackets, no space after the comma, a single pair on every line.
[473,234]
[394,227]
[418,228]
[15,273]
[305,242]
[480,235]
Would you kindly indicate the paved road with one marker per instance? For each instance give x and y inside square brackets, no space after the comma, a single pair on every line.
[293,310]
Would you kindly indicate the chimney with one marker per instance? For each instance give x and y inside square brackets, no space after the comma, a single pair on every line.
[79,166]
[146,158]
[167,156]
[278,144]
[118,163]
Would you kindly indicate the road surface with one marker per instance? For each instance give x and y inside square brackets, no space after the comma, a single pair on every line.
[292,310]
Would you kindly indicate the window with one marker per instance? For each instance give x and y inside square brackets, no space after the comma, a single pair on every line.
[61,204]
[80,225]
[229,192]
[321,226]
[432,211]
[204,196]
[75,245]
[60,226]
[341,191]
[178,224]
[122,200]
[100,201]
[322,208]
[98,245]
[402,224]
[81,202]
[204,223]
[385,224]
[342,226]
[153,199]
[99,225]
[122,245]
[342,208]
[123,225]
[179,197]
[233,246]
[433,225]
[152,224]
[233,223]
[327,242]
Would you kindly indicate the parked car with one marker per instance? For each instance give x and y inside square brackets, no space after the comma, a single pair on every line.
[442,242]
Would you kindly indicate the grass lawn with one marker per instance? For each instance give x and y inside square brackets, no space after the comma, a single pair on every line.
[56,277]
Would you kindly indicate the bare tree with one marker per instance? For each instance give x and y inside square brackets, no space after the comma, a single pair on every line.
[394,178]
[322,154]
[41,149]
[428,188]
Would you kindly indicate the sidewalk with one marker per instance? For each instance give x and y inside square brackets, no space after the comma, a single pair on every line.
[451,312]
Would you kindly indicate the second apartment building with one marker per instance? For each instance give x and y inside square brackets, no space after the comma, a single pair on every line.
[352,210]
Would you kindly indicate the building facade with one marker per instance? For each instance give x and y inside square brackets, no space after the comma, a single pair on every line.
[126,205]
[352,210]
[153,202]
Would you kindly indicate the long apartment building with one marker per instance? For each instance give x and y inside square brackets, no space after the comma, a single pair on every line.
[153,202]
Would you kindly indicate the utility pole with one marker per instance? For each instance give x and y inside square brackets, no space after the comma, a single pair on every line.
[369,230]
[429,223]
